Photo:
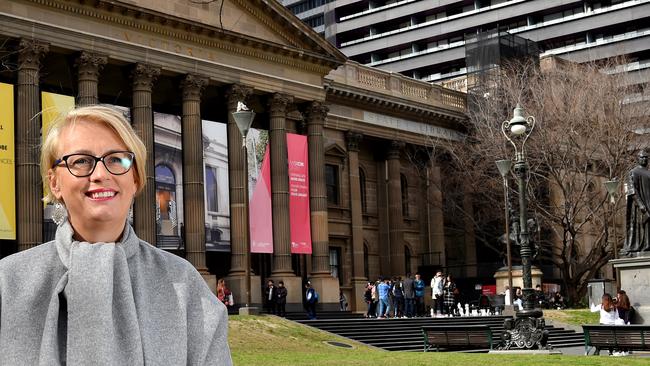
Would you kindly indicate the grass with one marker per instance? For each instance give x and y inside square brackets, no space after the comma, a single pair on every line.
[572,316]
[267,340]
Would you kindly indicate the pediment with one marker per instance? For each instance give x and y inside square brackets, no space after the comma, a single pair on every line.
[333,149]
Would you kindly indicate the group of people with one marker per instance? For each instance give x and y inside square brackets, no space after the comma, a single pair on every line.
[404,298]
[614,311]
[275,299]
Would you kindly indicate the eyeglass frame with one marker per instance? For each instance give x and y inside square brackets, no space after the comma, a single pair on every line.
[64,159]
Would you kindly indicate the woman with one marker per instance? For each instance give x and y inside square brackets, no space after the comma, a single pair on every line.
[450,294]
[223,293]
[367,297]
[608,313]
[98,295]
[623,306]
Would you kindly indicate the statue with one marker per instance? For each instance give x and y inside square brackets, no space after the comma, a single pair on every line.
[637,238]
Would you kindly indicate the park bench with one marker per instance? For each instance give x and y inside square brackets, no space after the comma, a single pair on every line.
[631,337]
[455,336]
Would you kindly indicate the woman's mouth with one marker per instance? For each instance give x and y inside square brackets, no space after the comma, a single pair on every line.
[101,195]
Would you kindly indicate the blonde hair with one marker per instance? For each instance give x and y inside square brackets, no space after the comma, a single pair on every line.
[111,118]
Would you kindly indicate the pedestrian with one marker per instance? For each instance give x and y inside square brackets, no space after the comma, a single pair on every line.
[419,286]
[281,299]
[437,283]
[270,296]
[450,295]
[98,293]
[409,295]
[367,297]
[311,299]
[398,297]
[224,294]
[384,304]
[343,301]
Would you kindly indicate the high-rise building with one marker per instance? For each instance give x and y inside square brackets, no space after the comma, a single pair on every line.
[425,39]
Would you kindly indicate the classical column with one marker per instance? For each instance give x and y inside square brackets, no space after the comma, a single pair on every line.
[88,67]
[237,175]
[29,207]
[142,119]
[395,219]
[358,276]
[470,234]
[193,190]
[436,231]
[316,115]
[280,186]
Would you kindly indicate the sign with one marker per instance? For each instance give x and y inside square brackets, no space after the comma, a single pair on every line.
[7,164]
[299,215]
[261,213]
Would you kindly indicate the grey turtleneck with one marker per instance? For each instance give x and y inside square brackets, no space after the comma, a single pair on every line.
[129,303]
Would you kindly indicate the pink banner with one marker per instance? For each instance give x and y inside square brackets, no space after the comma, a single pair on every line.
[260,215]
[299,215]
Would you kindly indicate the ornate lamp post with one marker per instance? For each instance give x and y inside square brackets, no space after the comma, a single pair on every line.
[527,329]
[504,167]
[612,189]
[244,119]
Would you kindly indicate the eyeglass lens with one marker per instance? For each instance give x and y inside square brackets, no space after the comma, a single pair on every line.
[116,163]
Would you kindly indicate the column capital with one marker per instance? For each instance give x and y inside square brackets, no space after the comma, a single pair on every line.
[193,85]
[238,93]
[144,75]
[394,149]
[30,52]
[89,64]
[316,112]
[353,138]
[279,102]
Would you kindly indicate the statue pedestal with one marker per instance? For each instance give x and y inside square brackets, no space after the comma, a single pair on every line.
[501,277]
[635,280]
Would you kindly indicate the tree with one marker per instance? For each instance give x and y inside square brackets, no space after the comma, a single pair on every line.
[585,134]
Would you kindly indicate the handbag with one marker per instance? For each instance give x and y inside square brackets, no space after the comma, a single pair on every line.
[231,301]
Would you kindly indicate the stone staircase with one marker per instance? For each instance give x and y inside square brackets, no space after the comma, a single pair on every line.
[406,334]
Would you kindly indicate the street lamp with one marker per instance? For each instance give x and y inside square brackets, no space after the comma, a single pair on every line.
[504,168]
[527,329]
[244,119]
[612,189]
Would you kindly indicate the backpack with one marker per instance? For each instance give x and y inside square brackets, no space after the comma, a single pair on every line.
[315,296]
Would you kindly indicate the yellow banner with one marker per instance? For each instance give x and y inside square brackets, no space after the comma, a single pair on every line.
[55,106]
[7,164]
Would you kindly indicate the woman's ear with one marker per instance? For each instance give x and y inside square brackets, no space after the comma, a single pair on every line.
[53,182]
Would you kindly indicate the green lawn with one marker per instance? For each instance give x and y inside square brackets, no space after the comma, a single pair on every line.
[266,340]
[573,316]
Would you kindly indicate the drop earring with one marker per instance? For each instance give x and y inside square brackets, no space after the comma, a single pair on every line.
[60,214]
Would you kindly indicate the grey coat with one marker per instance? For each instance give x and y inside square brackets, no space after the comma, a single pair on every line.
[66,302]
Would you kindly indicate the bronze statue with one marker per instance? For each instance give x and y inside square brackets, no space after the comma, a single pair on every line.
[637,238]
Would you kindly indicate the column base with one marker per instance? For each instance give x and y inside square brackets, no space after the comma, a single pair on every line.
[358,303]
[211,281]
[237,285]
[328,291]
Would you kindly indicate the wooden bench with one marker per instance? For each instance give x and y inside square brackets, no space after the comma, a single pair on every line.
[454,336]
[630,337]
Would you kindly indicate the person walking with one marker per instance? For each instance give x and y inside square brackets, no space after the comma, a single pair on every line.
[281,299]
[311,299]
[437,283]
[409,295]
[419,286]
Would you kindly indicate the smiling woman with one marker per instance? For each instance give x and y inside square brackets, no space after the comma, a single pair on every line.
[98,294]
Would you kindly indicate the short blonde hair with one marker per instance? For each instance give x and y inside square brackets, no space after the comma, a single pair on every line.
[111,118]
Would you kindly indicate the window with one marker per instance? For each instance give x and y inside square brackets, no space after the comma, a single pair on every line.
[335,262]
[407,259]
[405,196]
[332,183]
[362,186]
[166,219]
[211,188]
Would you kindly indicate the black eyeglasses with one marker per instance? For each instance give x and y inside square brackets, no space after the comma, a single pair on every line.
[83,165]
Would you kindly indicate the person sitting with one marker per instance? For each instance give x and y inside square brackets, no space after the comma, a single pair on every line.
[608,313]
[97,294]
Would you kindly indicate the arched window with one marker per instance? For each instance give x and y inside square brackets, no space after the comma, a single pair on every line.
[405,195]
[407,259]
[362,185]
[166,218]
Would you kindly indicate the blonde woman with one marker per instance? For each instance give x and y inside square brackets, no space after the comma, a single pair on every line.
[98,295]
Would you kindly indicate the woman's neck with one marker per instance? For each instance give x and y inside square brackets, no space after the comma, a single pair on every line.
[103,232]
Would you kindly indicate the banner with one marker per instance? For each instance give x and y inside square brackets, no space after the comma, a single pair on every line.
[7,164]
[54,106]
[299,214]
[260,211]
